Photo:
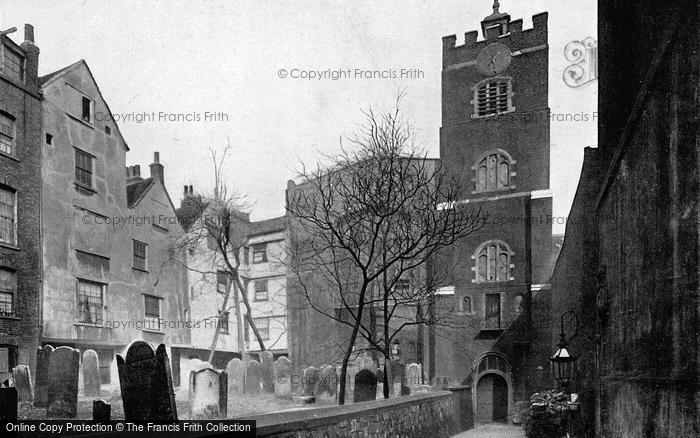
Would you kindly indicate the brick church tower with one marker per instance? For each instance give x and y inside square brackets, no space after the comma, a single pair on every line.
[495,138]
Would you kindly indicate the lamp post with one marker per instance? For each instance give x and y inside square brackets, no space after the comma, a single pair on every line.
[563,362]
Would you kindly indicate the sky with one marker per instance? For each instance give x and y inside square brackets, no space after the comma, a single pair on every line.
[230,73]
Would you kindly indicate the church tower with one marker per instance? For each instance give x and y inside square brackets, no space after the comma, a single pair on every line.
[495,139]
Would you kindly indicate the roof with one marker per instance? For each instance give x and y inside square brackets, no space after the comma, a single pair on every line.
[268,226]
[136,190]
[46,79]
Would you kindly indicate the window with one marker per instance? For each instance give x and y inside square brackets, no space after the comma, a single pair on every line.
[493,262]
[223,323]
[403,287]
[5,360]
[492,316]
[140,254]
[8,287]
[86,109]
[151,312]
[465,305]
[263,326]
[493,96]
[260,253]
[90,302]
[260,290]
[8,216]
[493,172]
[7,134]
[246,255]
[221,282]
[108,130]
[492,361]
[49,139]
[12,64]
[83,168]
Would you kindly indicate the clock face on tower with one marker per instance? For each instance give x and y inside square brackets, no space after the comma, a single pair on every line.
[493,59]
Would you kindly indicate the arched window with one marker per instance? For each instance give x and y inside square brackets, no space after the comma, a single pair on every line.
[465,304]
[494,171]
[493,96]
[492,361]
[493,262]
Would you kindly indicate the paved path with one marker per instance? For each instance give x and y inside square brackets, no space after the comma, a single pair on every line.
[493,430]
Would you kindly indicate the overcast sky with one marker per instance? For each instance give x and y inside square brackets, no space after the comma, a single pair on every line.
[190,57]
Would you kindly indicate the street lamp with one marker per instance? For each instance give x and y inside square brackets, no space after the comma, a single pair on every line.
[563,362]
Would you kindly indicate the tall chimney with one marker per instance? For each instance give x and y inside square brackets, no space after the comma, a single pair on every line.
[157,169]
[31,69]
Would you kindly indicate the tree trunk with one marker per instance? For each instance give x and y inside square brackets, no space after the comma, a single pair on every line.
[212,350]
[239,325]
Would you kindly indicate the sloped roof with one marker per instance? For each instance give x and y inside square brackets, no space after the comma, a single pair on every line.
[268,226]
[136,190]
[46,79]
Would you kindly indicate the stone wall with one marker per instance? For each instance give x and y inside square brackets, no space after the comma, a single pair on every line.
[440,414]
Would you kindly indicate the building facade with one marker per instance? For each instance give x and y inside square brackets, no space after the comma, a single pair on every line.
[629,268]
[107,234]
[495,139]
[20,202]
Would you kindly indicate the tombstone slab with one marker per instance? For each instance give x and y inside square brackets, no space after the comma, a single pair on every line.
[91,374]
[253,377]
[208,394]
[326,383]
[146,384]
[23,383]
[101,411]
[236,377]
[268,371]
[8,404]
[41,376]
[62,392]
[309,379]
[282,369]
[365,386]
[414,375]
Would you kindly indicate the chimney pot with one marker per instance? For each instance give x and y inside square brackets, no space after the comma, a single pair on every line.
[191,190]
[29,33]
[185,191]
[137,170]
[156,157]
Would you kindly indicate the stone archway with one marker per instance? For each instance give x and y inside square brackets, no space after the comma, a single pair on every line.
[492,394]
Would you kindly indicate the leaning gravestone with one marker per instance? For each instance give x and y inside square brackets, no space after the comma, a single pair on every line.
[310,378]
[283,378]
[91,374]
[146,384]
[101,411]
[8,405]
[62,393]
[41,377]
[326,383]
[235,371]
[23,384]
[365,386]
[268,372]
[253,374]
[208,394]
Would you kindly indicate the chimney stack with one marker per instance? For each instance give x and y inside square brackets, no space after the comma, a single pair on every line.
[157,169]
[31,66]
[133,174]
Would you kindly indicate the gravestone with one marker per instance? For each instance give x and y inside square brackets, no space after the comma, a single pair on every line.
[309,379]
[350,374]
[413,375]
[146,384]
[365,386]
[23,384]
[253,375]
[208,394]
[366,362]
[326,383]
[62,392]
[268,372]
[283,378]
[41,376]
[91,374]
[8,404]
[235,371]
[398,377]
[101,411]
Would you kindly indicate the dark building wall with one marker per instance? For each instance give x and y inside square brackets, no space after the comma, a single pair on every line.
[21,173]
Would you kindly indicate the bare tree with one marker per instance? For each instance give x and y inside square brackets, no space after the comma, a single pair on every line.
[215,234]
[367,225]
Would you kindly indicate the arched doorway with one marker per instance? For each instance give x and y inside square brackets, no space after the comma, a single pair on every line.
[492,394]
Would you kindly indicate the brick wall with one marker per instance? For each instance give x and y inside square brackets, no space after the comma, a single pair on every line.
[440,414]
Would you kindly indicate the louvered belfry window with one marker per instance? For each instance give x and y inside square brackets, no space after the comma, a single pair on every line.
[492,97]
